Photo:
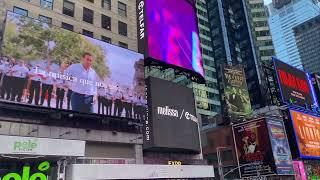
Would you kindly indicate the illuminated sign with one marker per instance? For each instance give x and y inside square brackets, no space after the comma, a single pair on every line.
[165,37]
[294,85]
[307,132]
[172,123]
[43,167]
[76,73]
[174,163]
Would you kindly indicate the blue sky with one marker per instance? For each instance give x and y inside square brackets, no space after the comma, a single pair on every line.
[267,1]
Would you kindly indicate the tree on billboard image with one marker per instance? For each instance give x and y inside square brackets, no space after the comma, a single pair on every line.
[66,70]
[33,40]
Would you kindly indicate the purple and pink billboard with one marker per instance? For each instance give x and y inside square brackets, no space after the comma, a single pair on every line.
[168,33]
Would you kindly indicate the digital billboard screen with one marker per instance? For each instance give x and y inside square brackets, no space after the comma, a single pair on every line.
[171,124]
[47,66]
[168,33]
[236,92]
[280,146]
[294,85]
[254,150]
[307,133]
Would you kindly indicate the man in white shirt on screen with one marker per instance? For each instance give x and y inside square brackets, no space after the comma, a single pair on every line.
[34,90]
[47,83]
[19,72]
[83,86]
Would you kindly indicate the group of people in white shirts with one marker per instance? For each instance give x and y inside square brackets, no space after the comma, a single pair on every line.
[32,84]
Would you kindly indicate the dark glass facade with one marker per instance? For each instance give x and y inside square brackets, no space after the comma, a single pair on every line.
[233,44]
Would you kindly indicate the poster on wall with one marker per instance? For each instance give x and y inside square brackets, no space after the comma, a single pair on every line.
[307,133]
[254,150]
[280,147]
[236,92]
[47,66]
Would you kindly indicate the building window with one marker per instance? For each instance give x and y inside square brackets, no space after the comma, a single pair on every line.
[92,1]
[106,4]
[47,4]
[106,39]
[68,8]
[106,22]
[20,11]
[45,19]
[123,45]
[122,9]
[87,33]
[87,15]
[122,28]
[67,26]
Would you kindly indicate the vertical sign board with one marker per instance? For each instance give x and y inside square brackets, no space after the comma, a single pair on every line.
[142,26]
[236,91]
[171,124]
[254,148]
[299,169]
[280,147]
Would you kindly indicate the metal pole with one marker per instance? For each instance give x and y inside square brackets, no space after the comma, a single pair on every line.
[219,165]
[220,168]
[236,149]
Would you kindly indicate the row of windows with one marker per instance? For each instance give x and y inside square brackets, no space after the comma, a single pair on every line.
[71,27]
[88,14]
[69,6]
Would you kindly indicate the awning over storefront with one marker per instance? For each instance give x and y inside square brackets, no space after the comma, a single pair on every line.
[131,171]
[18,145]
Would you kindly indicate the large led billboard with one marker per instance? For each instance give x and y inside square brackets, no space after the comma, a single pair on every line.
[47,66]
[307,132]
[294,85]
[236,94]
[255,155]
[171,123]
[168,33]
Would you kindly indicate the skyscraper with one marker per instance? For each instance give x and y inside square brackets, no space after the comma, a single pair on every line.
[233,43]
[283,17]
[258,20]
[307,36]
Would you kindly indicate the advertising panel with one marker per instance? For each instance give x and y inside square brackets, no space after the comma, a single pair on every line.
[300,172]
[316,85]
[236,91]
[171,119]
[307,133]
[294,85]
[280,147]
[13,145]
[164,35]
[51,67]
[254,148]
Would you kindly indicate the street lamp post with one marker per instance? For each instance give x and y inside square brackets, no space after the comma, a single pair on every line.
[220,170]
